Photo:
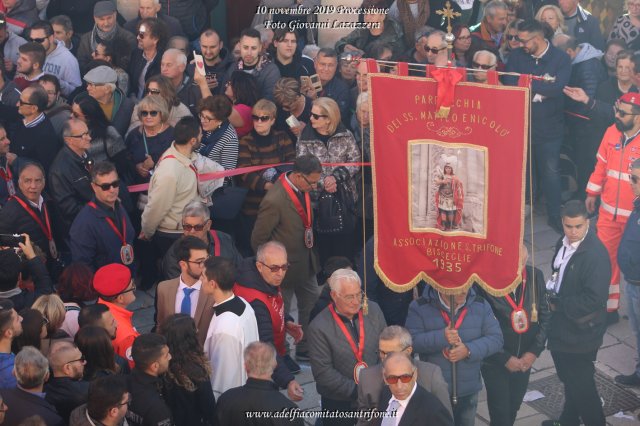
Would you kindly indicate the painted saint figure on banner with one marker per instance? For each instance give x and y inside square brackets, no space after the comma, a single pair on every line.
[449,199]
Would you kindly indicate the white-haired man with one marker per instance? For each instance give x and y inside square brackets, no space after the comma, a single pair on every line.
[483,61]
[342,342]
[173,66]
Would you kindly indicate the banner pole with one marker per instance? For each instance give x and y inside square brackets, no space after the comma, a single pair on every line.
[454,371]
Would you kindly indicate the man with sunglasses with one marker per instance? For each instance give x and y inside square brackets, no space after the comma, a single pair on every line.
[435,49]
[116,289]
[483,61]
[258,283]
[66,390]
[610,182]
[627,260]
[102,232]
[403,400]
[396,339]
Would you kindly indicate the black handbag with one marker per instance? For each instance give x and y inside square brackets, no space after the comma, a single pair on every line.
[335,212]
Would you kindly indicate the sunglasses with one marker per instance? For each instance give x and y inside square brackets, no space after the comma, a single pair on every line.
[140,35]
[318,116]
[434,50]
[634,179]
[147,113]
[276,268]
[127,402]
[21,102]
[80,136]
[483,66]
[153,91]
[188,227]
[260,118]
[107,186]
[39,40]
[404,378]
[512,37]
[621,113]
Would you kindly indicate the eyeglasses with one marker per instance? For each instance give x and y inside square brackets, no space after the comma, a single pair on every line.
[634,179]
[276,268]
[133,288]
[45,320]
[434,50]
[140,35]
[404,378]
[311,184]
[384,354]
[21,102]
[81,359]
[622,113]
[352,297]
[260,118]
[38,40]
[483,66]
[318,116]
[80,136]
[188,227]
[147,113]
[512,37]
[127,402]
[523,41]
[205,118]
[107,186]
[153,91]
[200,263]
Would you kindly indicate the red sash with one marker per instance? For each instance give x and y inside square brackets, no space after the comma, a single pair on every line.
[524,287]
[216,242]
[121,235]
[359,351]
[275,306]
[46,226]
[447,320]
[191,166]
[305,216]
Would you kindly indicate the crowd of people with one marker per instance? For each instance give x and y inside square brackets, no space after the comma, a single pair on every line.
[107,124]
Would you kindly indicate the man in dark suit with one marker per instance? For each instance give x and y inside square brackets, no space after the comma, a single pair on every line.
[259,394]
[183,294]
[578,291]
[31,370]
[285,216]
[403,401]
[395,339]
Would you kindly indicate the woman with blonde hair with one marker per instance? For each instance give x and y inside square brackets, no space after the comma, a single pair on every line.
[329,140]
[52,308]
[511,41]
[553,16]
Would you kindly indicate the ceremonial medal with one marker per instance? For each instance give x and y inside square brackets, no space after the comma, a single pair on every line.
[357,369]
[126,254]
[52,249]
[308,237]
[11,189]
[519,321]
[357,351]
[519,317]
[5,173]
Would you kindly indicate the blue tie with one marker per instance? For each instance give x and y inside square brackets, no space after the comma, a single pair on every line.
[185,308]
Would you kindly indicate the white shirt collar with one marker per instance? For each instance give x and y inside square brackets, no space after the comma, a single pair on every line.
[405,402]
[196,286]
[39,205]
[574,246]
[225,300]
[286,176]
[543,53]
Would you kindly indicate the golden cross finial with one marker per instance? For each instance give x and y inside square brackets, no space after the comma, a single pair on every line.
[448,13]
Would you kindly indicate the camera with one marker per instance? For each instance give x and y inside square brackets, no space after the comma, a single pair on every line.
[11,240]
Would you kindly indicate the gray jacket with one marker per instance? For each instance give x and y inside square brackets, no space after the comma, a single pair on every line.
[333,361]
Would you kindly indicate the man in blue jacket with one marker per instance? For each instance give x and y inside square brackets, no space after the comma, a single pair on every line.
[475,335]
[630,267]
[538,57]
[102,232]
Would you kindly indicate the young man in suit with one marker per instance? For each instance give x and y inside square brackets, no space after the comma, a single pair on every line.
[183,294]
[404,402]
[397,339]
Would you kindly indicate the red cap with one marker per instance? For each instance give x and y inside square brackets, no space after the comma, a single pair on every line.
[111,280]
[630,98]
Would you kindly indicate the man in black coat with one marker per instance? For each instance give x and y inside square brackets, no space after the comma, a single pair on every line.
[66,390]
[577,293]
[404,399]
[259,394]
[25,400]
[151,9]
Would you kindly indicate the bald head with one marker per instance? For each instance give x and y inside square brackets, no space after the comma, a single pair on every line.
[65,359]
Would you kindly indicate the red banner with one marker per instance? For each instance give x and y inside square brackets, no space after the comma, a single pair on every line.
[449,192]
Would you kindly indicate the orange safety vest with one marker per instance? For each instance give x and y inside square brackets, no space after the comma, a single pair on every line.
[610,178]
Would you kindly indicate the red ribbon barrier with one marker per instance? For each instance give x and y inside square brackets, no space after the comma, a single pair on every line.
[203,177]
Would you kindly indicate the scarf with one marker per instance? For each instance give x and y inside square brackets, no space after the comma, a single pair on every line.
[411,23]
[97,35]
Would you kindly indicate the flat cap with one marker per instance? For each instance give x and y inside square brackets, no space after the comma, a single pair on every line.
[101,75]
[104,8]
